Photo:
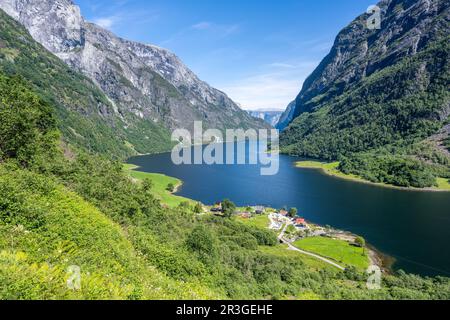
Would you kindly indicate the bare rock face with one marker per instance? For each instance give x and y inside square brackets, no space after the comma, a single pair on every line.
[272,117]
[145,80]
[55,24]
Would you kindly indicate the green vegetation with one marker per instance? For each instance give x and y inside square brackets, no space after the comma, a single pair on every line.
[228,208]
[292,212]
[170,187]
[382,177]
[27,127]
[282,251]
[376,128]
[61,206]
[45,229]
[388,169]
[159,185]
[338,250]
[443,184]
[260,221]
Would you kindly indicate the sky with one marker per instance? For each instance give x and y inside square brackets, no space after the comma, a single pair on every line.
[257,51]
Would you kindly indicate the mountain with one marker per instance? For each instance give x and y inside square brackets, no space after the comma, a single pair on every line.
[86,117]
[286,117]
[77,226]
[270,116]
[145,86]
[379,95]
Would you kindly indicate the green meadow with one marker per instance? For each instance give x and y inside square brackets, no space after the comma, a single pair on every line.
[160,183]
[332,168]
[338,250]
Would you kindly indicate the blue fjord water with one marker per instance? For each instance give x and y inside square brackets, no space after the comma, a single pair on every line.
[411,226]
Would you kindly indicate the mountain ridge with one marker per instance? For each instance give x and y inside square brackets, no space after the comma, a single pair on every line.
[377,97]
[146,81]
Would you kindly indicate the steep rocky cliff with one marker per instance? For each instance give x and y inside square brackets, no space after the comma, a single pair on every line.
[379,91]
[407,28]
[366,92]
[86,116]
[147,81]
[287,116]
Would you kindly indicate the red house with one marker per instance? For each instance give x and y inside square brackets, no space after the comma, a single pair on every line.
[300,221]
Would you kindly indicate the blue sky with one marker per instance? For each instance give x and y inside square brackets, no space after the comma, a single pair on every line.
[258,51]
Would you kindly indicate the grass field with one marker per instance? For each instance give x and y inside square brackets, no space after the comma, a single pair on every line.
[260,221]
[329,168]
[332,169]
[160,183]
[444,184]
[338,250]
[283,252]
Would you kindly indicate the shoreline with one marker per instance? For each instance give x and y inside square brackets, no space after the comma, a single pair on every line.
[328,169]
[167,197]
[375,256]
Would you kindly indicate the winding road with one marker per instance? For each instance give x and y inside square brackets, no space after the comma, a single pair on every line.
[291,247]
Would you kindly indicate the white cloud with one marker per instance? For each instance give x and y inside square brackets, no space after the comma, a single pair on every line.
[281,65]
[219,29]
[106,23]
[122,18]
[273,89]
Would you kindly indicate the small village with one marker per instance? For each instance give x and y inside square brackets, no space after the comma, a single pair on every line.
[289,221]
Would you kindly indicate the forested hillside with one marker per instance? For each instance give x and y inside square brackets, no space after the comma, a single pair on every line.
[60,207]
[379,95]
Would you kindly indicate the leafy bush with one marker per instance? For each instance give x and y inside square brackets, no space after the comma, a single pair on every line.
[395,170]
[27,127]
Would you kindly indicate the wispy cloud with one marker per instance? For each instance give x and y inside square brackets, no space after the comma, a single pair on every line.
[218,29]
[106,22]
[117,13]
[274,88]
[281,65]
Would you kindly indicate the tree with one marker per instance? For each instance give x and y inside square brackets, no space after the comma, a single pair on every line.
[27,127]
[170,187]
[361,242]
[198,208]
[228,208]
[202,242]
[293,212]
[290,230]
[147,185]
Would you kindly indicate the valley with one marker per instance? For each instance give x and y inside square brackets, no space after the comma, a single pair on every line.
[93,206]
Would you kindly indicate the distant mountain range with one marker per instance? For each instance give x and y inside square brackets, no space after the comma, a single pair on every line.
[272,117]
[147,90]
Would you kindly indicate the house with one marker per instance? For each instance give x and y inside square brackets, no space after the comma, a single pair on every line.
[216,209]
[284,213]
[245,215]
[300,222]
[259,209]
